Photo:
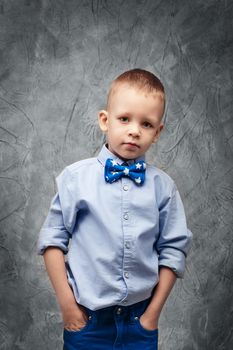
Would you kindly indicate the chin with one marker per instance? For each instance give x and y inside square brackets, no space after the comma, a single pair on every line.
[123,156]
[129,156]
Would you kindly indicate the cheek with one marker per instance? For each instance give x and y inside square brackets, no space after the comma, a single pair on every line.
[116,130]
[150,139]
[114,134]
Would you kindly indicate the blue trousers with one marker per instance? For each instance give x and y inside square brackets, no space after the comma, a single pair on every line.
[113,328]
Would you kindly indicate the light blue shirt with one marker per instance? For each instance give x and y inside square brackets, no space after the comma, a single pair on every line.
[115,235]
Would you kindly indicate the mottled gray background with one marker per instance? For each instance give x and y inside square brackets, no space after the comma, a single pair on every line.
[57,59]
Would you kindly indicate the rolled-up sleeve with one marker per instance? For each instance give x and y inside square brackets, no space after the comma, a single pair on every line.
[59,223]
[175,238]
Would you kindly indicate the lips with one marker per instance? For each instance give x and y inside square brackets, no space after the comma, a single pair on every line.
[131,144]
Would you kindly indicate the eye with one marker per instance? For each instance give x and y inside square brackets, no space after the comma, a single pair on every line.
[147,125]
[124,119]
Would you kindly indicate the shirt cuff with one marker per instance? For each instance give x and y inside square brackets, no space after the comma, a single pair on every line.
[54,238]
[174,259]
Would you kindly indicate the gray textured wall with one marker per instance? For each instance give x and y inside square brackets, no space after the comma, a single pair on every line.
[57,59]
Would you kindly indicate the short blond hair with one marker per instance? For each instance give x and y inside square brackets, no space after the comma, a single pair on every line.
[140,79]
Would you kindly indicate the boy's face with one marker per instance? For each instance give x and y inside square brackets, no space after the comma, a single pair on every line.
[132,122]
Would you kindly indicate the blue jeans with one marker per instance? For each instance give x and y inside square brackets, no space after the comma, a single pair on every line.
[116,328]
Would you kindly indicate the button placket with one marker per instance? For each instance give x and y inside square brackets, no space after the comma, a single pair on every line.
[127,245]
[126,224]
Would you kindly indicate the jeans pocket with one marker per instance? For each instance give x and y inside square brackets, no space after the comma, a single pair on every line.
[81,330]
[144,330]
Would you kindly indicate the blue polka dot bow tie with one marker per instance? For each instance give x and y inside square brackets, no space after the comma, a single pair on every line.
[114,171]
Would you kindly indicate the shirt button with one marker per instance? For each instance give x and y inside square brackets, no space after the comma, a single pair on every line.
[125,301]
[119,311]
[125,188]
[126,216]
[126,274]
[127,245]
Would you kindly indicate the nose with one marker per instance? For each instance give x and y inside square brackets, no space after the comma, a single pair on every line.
[134,130]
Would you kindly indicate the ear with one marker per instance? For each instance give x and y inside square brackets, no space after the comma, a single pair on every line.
[158,131]
[103,120]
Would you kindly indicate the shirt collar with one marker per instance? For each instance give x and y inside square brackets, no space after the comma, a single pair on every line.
[104,154]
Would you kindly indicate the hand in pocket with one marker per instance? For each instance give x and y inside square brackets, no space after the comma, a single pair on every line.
[74,318]
[148,323]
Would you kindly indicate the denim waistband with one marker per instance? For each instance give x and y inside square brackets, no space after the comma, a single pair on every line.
[133,310]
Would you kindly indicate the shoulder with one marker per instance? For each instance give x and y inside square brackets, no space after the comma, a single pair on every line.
[163,183]
[159,174]
[76,170]
[81,165]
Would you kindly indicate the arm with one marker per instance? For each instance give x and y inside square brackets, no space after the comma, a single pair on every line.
[58,226]
[74,316]
[167,279]
[172,246]
[53,244]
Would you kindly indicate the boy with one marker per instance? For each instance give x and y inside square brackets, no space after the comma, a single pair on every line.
[126,225]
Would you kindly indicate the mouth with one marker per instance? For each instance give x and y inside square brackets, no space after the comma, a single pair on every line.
[131,144]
